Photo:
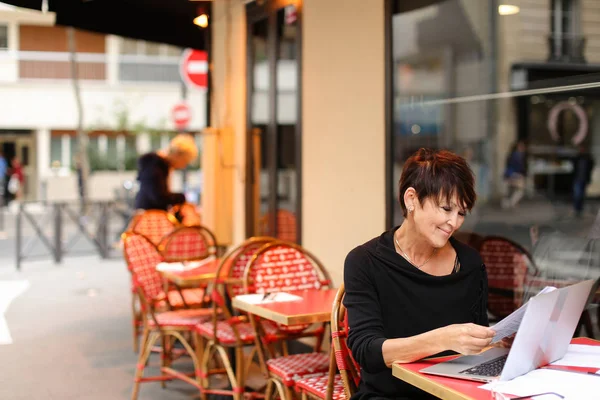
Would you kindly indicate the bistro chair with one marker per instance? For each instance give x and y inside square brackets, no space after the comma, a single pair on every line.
[154,224]
[282,266]
[227,330]
[175,298]
[142,258]
[509,267]
[332,386]
[348,367]
[188,243]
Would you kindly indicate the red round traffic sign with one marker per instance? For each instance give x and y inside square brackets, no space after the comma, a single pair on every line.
[181,115]
[194,68]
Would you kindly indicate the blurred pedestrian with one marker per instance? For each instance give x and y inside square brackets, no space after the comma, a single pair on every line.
[16,179]
[515,174]
[3,178]
[583,165]
[154,170]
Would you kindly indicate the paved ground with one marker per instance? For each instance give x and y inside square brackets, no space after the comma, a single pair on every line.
[71,335]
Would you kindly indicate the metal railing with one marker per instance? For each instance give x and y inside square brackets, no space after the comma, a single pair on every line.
[61,227]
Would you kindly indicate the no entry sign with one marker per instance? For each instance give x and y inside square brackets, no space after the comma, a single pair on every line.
[194,68]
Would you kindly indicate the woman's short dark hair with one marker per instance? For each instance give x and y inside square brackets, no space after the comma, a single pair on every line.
[439,175]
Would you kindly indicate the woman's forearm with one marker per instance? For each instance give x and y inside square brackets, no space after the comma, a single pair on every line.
[405,350]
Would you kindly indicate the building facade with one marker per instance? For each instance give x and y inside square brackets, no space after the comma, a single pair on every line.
[128,90]
[375,83]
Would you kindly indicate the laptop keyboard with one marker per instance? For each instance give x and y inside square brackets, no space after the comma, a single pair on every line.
[489,368]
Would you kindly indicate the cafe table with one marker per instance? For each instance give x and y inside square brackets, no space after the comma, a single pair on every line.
[190,273]
[294,307]
[451,388]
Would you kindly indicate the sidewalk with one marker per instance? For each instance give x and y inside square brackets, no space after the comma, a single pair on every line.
[71,334]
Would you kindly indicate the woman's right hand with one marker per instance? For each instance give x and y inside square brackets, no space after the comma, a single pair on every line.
[467,339]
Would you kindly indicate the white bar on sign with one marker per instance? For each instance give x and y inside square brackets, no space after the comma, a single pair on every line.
[197,67]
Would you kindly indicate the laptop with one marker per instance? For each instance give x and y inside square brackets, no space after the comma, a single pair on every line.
[543,337]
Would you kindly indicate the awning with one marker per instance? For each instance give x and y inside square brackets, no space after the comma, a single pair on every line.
[163,21]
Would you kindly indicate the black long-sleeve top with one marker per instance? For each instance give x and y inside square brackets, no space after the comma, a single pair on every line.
[153,175]
[387,298]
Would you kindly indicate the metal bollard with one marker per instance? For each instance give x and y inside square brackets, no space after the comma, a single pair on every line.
[19,233]
[57,233]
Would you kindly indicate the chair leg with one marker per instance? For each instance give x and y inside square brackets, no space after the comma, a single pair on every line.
[239,371]
[143,358]
[135,315]
[282,390]
[289,393]
[164,354]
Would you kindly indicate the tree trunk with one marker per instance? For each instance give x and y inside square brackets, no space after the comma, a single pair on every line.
[82,162]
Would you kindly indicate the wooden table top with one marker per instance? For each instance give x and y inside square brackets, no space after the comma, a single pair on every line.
[315,306]
[204,273]
[450,388]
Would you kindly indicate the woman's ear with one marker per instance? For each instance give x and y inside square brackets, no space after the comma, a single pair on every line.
[410,199]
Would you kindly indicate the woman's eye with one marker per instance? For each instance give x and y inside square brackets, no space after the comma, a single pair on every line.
[462,213]
[447,209]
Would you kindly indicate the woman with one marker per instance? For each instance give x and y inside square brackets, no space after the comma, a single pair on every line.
[415,291]
[154,170]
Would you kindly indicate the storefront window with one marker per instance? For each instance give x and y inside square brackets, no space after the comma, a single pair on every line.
[477,79]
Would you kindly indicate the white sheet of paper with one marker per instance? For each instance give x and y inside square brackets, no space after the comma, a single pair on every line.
[510,324]
[257,298]
[579,355]
[571,386]
[181,266]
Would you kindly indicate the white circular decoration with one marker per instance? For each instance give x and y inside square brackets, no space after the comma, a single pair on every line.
[582,130]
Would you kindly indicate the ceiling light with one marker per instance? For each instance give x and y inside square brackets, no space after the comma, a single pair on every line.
[202,19]
[508,9]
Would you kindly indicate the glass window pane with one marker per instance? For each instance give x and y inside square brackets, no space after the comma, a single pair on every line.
[56,151]
[130,153]
[111,153]
[3,37]
[517,98]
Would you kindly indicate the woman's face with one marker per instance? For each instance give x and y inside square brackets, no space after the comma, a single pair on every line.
[436,223]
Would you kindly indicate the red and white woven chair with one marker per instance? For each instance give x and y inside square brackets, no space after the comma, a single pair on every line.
[188,243]
[348,367]
[227,330]
[509,267]
[167,326]
[332,386]
[174,298]
[282,266]
[154,224]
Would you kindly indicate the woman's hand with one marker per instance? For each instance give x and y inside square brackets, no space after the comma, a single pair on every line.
[467,339]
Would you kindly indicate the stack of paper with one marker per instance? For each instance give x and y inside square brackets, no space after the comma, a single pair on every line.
[182,266]
[260,298]
[572,386]
[509,325]
[579,355]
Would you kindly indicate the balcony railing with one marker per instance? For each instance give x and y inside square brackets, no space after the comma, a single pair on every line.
[566,48]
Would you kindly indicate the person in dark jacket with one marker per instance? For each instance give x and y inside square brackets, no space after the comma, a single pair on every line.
[415,291]
[583,165]
[515,174]
[154,170]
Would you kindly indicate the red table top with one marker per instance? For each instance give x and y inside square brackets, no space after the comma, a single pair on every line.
[315,306]
[194,276]
[451,388]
